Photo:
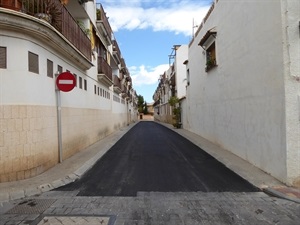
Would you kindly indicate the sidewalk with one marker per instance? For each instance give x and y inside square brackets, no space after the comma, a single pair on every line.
[74,167]
[254,175]
[63,173]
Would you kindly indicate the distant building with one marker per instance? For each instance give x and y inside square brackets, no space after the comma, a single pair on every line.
[150,108]
[34,48]
[172,83]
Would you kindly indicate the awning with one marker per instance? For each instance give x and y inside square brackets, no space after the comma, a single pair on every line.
[211,32]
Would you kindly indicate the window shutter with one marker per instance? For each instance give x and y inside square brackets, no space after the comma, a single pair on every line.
[49,68]
[3,57]
[33,62]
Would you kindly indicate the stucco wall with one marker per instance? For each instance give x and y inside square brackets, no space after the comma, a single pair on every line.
[28,115]
[290,11]
[28,138]
[181,56]
[240,104]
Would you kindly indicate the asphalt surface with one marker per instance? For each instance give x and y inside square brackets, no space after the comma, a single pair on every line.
[153,158]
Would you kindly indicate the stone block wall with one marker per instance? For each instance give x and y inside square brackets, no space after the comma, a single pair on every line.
[29,139]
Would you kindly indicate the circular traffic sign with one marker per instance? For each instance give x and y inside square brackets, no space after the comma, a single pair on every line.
[65,81]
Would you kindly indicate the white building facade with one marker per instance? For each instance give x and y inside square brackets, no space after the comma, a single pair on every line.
[32,52]
[244,83]
[172,83]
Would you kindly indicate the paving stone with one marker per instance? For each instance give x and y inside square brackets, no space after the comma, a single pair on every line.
[170,208]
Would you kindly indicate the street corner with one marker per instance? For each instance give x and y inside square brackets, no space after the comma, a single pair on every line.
[285,192]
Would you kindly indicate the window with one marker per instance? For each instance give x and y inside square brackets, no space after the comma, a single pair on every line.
[95,89]
[187,77]
[209,45]
[80,82]
[33,62]
[49,68]
[98,91]
[59,68]
[75,79]
[211,57]
[85,84]
[3,63]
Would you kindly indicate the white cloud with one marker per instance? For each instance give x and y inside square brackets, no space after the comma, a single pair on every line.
[145,75]
[176,16]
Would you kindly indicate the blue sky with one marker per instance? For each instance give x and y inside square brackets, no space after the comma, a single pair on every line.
[146,31]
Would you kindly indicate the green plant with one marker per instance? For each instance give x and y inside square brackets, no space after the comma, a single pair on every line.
[174,102]
[85,30]
[98,14]
[210,63]
[49,10]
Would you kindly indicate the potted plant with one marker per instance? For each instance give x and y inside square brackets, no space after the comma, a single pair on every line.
[210,63]
[48,10]
[174,102]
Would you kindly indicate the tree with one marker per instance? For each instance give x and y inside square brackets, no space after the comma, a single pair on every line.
[145,111]
[140,103]
[174,102]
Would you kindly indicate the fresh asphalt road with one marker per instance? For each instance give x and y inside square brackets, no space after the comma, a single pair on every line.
[153,158]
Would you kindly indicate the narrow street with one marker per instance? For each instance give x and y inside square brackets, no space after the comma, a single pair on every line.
[153,158]
[150,175]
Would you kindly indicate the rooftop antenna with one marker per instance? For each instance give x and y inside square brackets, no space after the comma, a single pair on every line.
[193,28]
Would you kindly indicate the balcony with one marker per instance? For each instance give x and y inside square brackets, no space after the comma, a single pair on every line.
[124,91]
[104,72]
[116,51]
[117,85]
[102,22]
[13,4]
[58,16]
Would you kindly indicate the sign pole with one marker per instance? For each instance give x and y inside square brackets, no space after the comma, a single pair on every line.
[58,103]
[64,82]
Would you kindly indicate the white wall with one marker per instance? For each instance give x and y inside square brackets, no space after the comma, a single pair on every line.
[28,116]
[181,56]
[291,53]
[240,104]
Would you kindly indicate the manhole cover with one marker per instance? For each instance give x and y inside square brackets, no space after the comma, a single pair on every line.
[74,219]
[32,206]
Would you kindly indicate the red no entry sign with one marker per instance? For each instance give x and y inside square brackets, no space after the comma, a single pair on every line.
[65,81]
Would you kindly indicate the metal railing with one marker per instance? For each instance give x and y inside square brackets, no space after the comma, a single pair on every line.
[116,48]
[14,4]
[101,16]
[104,68]
[73,32]
[58,16]
[117,82]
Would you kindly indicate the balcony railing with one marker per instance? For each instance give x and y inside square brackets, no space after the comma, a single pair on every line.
[104,68]
[116,49]
[117,84]
[58,16]
[101,17]
[123,64]
[13,4]
[73,32]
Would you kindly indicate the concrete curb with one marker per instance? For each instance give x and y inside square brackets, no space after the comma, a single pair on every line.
[278,194]
[20,192]
[255,176]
